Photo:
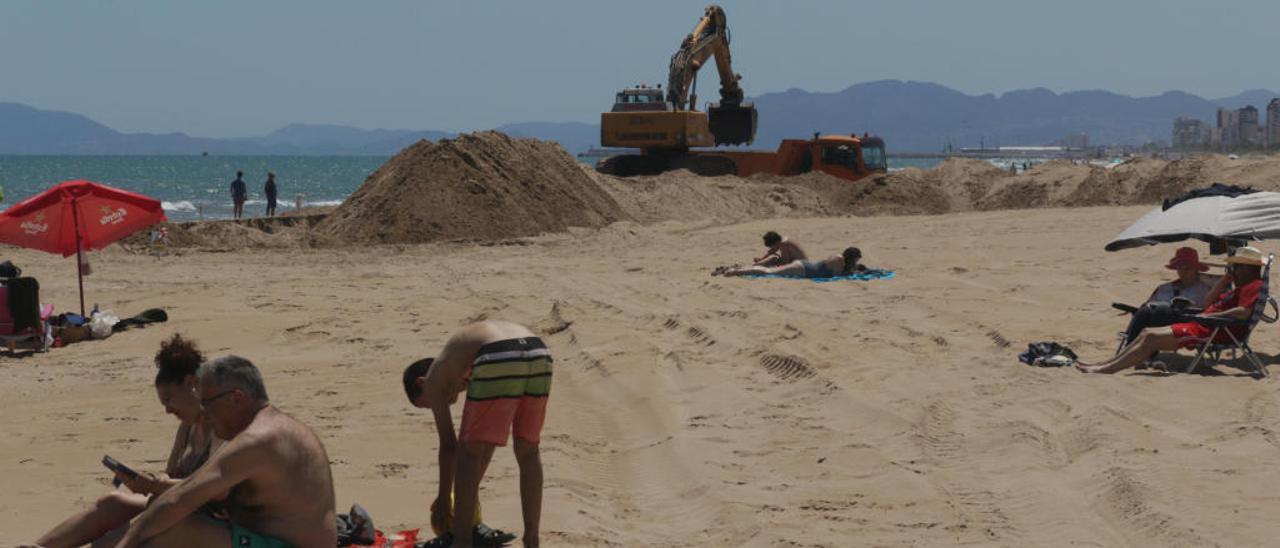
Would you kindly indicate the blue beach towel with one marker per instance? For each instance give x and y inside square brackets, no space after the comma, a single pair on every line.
[872,274]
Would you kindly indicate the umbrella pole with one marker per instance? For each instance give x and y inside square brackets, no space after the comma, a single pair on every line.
[80,276]
[75,213]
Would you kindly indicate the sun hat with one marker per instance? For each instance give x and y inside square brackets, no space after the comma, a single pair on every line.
[1246,255]
[1186,257]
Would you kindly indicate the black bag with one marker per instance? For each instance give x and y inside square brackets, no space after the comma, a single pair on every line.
[1047,354]
[9,270]
[150,315]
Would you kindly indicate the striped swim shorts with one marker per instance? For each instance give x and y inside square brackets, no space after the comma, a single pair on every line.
[510,382]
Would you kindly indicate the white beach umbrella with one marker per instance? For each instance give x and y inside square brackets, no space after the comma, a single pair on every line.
[1253,216]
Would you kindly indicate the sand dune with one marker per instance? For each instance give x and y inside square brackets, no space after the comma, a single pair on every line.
[689,409]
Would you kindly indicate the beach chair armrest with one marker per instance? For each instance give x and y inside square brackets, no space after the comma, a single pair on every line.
[1216,322]
[1128,308]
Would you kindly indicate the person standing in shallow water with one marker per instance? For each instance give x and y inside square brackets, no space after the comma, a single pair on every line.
[270,190]
[239,193]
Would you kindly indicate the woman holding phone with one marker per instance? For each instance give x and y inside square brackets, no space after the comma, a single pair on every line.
[175,384]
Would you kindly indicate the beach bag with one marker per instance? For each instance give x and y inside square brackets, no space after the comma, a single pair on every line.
[1047,354]
[73,333]
[101,323]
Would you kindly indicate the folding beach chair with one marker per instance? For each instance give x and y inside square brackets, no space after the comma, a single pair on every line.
[22,319]
[1239,346]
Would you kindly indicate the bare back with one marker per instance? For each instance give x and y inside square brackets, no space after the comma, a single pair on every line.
[449,373]
[789,251]
[289,493]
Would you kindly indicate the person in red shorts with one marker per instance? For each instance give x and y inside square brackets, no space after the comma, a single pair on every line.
[1244,274]
[506,372]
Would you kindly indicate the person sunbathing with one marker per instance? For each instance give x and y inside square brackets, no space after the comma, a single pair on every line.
[175,384]
[1244,273]
[1163,308]
[272,475]
[781,251]
[844,264]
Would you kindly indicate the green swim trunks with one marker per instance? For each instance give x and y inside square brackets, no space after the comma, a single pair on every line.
[244,538]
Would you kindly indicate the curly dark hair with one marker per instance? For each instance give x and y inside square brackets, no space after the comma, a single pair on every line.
[177,358]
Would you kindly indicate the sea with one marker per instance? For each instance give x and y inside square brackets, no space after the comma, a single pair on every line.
[198,187]
[195,187]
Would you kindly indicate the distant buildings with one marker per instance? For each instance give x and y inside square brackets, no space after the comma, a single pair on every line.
[1248,125]
[1190,133]
[1234,130]
[1273,124]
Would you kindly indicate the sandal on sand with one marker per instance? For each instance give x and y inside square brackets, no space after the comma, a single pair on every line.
[482,536]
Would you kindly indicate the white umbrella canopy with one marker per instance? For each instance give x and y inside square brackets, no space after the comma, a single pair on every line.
[1253,216]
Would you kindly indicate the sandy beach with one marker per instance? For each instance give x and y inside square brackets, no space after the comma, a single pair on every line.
[690,409]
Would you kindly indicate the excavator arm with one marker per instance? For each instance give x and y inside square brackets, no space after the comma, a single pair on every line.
[732,121]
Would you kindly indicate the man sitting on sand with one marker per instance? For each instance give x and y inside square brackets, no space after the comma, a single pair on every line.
[1244,272]
[781,251]
[840,265]
[506,371]
[272,475]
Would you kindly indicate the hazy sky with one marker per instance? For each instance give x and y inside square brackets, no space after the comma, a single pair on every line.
[240,68]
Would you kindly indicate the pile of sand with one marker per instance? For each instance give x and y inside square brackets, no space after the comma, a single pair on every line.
[488,186]
[480,186]
[259,232]
[683,196]
[975,185]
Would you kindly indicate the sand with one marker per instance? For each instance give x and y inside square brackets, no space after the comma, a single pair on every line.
[693,409]
[690,409]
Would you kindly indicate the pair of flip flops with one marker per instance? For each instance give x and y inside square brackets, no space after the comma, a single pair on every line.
[482,536]
[720,270]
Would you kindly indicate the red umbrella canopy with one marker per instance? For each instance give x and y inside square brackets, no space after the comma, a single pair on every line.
[48,221]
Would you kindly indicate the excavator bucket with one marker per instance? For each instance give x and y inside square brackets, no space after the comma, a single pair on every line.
[732,124]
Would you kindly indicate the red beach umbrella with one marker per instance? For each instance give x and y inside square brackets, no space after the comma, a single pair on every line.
[76,216]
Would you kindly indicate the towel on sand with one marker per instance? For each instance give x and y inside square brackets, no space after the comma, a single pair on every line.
[871,274]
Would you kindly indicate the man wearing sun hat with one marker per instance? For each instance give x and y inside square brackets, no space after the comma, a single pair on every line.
[1233,297]
[1191,286]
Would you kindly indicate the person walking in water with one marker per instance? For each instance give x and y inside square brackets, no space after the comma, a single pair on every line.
[270,190]
[239,193]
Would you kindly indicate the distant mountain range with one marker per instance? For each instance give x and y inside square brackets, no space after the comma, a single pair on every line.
[911,116]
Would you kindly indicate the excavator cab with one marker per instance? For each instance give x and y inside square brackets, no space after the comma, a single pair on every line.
[640,98]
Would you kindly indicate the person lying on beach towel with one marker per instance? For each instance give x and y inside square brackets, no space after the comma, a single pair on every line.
[780,251]
[175,384]
[844,264]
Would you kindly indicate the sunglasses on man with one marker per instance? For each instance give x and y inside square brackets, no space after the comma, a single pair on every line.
[204,402]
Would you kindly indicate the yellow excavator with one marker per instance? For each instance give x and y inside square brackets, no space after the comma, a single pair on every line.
[665,126]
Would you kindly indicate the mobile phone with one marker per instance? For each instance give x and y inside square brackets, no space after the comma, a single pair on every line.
[115,466]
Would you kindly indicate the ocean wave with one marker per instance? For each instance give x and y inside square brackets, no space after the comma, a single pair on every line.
[181,205]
